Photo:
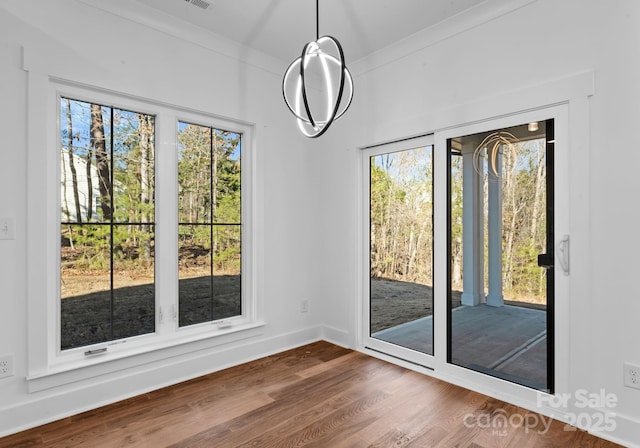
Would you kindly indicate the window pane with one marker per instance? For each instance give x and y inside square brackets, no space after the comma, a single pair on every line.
[195,269]
[209,229]
[226,152]
[194,173]
[226,272]
[133,167]
[107,270]
[85,285]
[83,161]
[133,280]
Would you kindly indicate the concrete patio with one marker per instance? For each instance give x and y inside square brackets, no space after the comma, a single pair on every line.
[507,341]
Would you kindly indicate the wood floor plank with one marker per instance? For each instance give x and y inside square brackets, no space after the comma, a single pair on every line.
[318,395]
[394,437]
[171,427]
[402,412]
[320,430]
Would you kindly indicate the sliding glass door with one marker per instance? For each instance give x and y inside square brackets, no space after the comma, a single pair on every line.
[459,237]
[500,233]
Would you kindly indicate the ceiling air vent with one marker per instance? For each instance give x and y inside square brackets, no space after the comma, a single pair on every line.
[199,3]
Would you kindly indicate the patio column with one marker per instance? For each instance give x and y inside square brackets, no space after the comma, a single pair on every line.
[472,229]
[495,298]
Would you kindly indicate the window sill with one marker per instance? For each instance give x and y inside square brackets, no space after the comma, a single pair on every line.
[158,349]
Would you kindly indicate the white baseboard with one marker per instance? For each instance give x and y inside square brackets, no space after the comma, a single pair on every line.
[626,432]
[336,336]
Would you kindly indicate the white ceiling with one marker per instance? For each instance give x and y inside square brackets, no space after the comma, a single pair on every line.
[280,28]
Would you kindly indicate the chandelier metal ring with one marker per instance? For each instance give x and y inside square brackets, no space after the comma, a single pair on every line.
[300,106]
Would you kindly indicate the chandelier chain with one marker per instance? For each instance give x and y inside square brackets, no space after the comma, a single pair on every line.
[317,19]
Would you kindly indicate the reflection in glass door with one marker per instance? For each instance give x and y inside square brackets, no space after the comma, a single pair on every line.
[401,247]
[500,232]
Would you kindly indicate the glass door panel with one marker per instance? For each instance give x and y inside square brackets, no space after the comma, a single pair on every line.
[401,248]
[500,232]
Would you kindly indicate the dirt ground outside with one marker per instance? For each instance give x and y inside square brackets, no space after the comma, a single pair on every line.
[91,313]
[88,307]
[395,302]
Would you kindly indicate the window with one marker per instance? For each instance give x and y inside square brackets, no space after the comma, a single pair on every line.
[209,230]
[107,223]
[140,231]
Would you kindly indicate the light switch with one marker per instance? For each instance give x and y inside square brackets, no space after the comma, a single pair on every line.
[7,229]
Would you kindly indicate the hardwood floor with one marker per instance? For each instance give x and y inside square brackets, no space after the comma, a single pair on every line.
[318,395]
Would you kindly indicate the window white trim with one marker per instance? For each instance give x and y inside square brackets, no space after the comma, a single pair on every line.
[48,366]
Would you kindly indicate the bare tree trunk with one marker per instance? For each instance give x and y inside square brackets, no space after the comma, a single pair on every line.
[64,188]
[89,161]
[456,221]
[64,200]
[214,173]
[411,251]
[456,271]
[146,164]
[509,200]
[72,166]
[197,202]
[537,199]
[214,187]
[193,207]
[102,161]
[388,255]
[373,251]
[145,127]
[394,247]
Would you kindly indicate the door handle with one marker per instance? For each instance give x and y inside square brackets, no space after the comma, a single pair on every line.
[564,254]
[545,261]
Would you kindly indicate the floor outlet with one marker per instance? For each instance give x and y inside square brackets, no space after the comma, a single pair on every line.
[631,375]
[6,366]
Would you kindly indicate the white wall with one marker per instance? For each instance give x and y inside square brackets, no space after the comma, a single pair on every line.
[73,40]
[401,92]
[307,204]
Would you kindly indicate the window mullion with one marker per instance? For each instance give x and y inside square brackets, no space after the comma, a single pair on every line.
[111,220]
[166,227]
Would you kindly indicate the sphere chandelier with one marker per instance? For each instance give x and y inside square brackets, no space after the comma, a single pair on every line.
[317,86]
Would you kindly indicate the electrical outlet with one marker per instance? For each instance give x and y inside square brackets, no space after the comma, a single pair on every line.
[6,366]
[7,229]
[304,306]
[631,375]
